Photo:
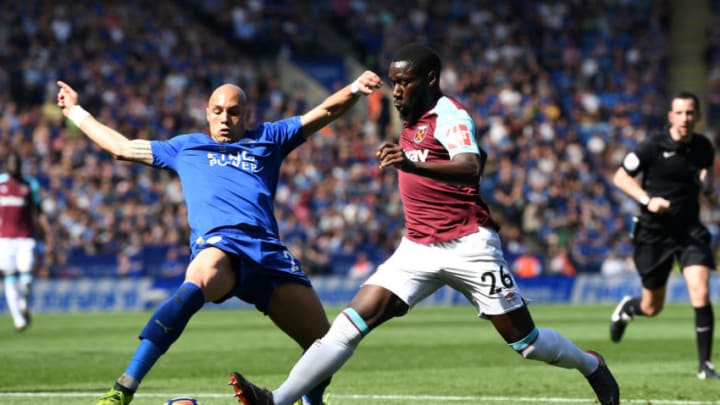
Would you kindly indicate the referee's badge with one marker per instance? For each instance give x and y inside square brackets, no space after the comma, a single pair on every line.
[631,161]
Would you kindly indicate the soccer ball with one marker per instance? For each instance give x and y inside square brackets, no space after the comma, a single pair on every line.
[182,401]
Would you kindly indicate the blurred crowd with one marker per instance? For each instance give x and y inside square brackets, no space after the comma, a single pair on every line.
[560,91]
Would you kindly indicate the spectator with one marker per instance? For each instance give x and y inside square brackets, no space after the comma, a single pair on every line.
[527,265]
[528,73]
[174,265]
[362,268]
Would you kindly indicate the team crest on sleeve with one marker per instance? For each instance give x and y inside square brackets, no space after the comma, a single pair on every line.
[420,133]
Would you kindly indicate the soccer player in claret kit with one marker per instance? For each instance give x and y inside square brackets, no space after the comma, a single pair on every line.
[229,178]
[676,166]
[21,220]
[451,239]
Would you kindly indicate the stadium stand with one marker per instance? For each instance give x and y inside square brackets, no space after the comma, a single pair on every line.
[560,90]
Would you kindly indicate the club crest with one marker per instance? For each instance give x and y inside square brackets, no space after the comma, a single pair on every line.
[420,133]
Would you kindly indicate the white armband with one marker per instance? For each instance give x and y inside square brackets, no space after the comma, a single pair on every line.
[77,115]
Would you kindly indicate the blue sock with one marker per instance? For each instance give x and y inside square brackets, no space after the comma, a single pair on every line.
[142,361]
[169,320]
[315,396]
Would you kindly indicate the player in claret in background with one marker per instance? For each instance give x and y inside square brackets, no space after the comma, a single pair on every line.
[228,180]
[21,224]
[676,165]
[450,240]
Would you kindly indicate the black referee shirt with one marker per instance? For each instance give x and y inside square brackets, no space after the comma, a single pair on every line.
[671,170]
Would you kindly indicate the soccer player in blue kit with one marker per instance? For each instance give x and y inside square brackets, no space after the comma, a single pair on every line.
[229,178]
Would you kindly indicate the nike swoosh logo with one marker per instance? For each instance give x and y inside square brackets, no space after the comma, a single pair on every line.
[668,154]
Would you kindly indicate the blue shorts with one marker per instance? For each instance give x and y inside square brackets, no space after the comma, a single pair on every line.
[261,262]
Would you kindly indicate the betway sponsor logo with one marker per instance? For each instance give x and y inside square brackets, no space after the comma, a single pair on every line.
[417,155]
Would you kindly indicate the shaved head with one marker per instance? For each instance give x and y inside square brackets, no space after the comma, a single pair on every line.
[229,91]
[227,113]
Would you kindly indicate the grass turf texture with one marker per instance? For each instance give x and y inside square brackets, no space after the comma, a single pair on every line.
[433,355]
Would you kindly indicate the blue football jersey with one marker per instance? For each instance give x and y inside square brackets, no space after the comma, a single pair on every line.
[226,184]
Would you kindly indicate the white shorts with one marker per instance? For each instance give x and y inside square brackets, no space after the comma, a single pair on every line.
[17,255]
[474,265]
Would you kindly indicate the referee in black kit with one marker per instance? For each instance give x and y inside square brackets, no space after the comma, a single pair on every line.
[676,166]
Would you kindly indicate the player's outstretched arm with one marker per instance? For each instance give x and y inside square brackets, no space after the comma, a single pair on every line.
[339,102]
[107,138]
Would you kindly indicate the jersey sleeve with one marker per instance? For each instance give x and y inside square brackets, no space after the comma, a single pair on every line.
[287,133]
[165,152]
[456,133]
[635,161]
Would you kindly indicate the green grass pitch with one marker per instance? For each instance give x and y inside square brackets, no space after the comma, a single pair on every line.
[433,355]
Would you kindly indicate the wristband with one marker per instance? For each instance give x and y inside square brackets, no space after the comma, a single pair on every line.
[77,114]
[645,200]
[355,87]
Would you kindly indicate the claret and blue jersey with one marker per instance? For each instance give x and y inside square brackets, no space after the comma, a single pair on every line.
[18,201]
[228,184]
[437,211]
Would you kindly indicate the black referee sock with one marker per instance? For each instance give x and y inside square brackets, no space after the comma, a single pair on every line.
[704,328]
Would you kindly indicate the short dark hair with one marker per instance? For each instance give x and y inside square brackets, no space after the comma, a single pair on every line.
[422,58]
[685,95]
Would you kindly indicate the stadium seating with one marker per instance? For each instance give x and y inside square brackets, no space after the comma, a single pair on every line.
[560,94]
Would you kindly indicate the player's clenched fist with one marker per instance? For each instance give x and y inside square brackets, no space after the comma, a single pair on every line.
[68,103]
[390,154]
[366,83]
[66,97]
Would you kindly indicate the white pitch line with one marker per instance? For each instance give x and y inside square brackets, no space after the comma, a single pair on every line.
[437,398]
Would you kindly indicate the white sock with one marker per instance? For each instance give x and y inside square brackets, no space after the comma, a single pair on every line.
[24,288]
[12,296]
[555,349]
[321,360]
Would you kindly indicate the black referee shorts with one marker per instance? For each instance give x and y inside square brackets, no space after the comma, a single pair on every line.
[657,249]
